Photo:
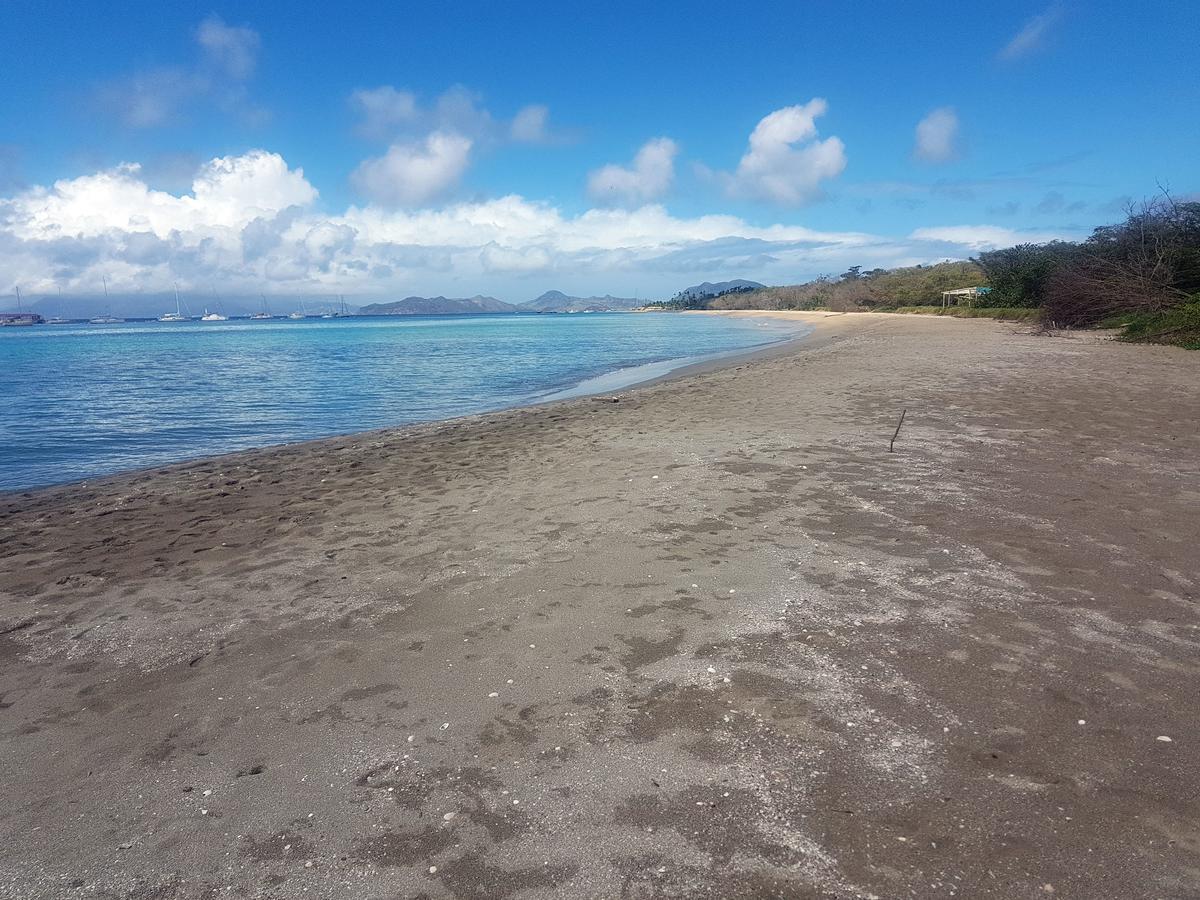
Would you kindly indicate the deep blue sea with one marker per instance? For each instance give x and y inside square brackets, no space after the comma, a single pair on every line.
[86,400]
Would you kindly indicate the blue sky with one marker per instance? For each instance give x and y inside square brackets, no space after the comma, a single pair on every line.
[392,149]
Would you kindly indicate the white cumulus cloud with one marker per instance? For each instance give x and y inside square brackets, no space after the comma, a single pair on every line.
[227,192]
[937,136]
[411,174]
[786,162]
[648,178]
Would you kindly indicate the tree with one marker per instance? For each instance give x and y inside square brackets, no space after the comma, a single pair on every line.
[1146,264]
[1019,275]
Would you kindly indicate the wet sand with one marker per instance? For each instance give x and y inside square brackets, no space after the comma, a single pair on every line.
[712,639]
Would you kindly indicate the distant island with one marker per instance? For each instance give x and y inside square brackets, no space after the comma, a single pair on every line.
[551,301]
[557,301]
[709,290]
[437,306]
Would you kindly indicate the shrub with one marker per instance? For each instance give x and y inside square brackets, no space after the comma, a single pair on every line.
[1179,325]
[1147,264]
[1019,276]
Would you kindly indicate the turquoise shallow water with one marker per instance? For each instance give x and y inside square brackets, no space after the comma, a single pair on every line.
[86,400]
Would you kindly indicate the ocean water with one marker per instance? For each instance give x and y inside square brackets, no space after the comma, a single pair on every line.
[87,400]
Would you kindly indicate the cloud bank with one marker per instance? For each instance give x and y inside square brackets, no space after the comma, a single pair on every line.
[252,224]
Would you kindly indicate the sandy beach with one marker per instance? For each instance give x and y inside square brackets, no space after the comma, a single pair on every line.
[706,638]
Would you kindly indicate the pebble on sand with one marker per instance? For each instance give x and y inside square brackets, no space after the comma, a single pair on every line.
[1163,738]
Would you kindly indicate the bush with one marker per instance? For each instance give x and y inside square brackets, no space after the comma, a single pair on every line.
[856,290]
[1007,313]
[1179,326]
[923,285]
[1147,264]
[1019,276]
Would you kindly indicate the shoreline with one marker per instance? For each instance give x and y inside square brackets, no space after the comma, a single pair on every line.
[814,337]
[676,367]
[715,629]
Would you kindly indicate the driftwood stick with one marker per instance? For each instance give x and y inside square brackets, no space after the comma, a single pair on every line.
[903,413]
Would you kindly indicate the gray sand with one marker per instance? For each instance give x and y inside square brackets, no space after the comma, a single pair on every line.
[709,640]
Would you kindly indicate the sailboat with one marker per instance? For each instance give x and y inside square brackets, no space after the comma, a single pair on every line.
[108,318]
[20,317]
[58,319]
[340,311]
[300,313]
[265,312]
[213,316]
[176,316]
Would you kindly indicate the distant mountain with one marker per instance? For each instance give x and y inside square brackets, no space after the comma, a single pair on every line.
[710,289]
[437,306]
[557,301]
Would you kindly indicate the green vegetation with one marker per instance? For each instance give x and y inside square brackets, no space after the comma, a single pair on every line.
[854,290]
[1008,313]
[1142,275]
[1018,275]
[923,285]
[1179,325]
